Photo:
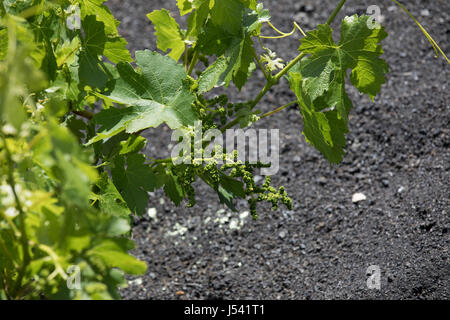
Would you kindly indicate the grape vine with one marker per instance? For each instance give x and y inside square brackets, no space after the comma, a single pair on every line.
[74,104]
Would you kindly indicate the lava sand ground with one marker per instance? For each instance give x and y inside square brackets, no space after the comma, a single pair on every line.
[397,155]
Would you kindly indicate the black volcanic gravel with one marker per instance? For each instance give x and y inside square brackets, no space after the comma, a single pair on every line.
[397,155]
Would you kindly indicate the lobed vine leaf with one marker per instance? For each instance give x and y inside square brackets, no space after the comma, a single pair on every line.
[230,40]
[325,130]
[133,179]
[157,93]
[98,43]
[319,80]
[98,9]
[358,49]
[113,252]
[168,33]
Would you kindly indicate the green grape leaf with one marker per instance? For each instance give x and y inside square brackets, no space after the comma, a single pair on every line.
[63,89]
[228,36]
[103,14]
[133,179]
[230,189]
[98,43]
[254,20]
[89,71]
[15,7]
[168,33]
[214,40]
[221,71]
[233,65]
[109,198]
[319,80]
[251,4]
[66,52]
[165,177]
[358,49]
[197,19]
[246,65]
[325,130]
[186,6]
[78,243]
[226,198]
[228,14]
[172,188]
[114,253]
[157,94]
[133,144]
[72,173]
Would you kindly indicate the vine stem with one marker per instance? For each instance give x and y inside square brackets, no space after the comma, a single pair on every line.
[258,61]
[23,238]
[276,79]
[268,114]
[283,34]
[185,57]
[433,43]
[230,125]
[84,113]
[336,11]
[193,62]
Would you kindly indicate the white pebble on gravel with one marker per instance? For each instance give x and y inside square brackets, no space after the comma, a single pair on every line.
[358,197]
[234,224]
[152,214]
[244,215]
[425,12]
[136,282]
[282,234]
[179,230]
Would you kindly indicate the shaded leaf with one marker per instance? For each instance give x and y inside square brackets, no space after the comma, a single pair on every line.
[133,179]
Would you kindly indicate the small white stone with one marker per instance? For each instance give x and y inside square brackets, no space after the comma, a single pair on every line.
[234,224]
[136,282]
[244,215]
[425,12]
[392,8]
[179,230]
[152,213]
[357,197]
